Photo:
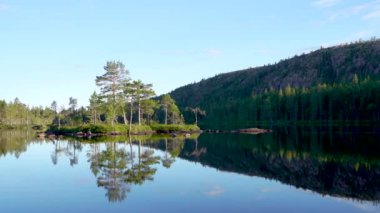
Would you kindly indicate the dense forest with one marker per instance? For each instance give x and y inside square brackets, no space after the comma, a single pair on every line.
[336,84]
[355,102]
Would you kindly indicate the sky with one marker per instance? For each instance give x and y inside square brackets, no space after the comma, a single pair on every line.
[54,49]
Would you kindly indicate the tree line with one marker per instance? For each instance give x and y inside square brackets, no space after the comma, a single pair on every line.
[355,101]
[121,100]
[16,113]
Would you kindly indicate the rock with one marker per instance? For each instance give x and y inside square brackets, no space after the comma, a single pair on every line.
[253,131]
[114,133]
[41,134]
[51,136]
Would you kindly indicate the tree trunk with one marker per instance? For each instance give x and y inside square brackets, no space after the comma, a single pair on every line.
[196,118]
[139,113]
[130,118]
[166,115]
[125,117]
[59,122]
[112,119]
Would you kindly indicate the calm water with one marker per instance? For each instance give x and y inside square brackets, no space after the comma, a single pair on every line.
[290,170]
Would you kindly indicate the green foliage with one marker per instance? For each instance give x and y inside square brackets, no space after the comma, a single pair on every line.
[63,130]
[148,108]
[323,104]
[111,84]
[174,128]
[100,129]
[16,114]
[138,129]
[112,80]
[137,92]
[96,128]
[169,112]
[122,129]
[95,107]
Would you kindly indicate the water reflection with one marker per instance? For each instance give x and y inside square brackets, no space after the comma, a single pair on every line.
[344,163]
[168,159]
[66,149]
[118,167]
[109,166]
[14,142]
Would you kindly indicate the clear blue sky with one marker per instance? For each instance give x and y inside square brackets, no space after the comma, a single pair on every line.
[51,50]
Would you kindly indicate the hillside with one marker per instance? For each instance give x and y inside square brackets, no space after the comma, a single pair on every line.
[332,65]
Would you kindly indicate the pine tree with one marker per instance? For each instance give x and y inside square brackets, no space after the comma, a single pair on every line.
[111,84]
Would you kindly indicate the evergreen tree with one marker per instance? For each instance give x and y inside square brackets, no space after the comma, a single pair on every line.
[171,110]
[196,111]
[111,84]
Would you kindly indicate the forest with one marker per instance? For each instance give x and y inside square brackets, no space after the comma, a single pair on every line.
[334,85]
[357,102]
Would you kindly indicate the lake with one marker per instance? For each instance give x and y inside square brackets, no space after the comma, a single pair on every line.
[293,169]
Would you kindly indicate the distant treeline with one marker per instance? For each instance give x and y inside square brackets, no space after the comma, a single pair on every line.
[16,113]
[357,101]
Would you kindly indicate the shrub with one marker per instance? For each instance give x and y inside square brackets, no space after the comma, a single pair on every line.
[174,128]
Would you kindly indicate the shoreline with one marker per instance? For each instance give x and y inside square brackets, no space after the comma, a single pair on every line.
[173,133]
[94,130]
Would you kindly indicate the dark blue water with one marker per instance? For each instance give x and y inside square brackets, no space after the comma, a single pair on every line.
[290,170]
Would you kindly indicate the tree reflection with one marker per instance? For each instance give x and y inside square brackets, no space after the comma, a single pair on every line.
[14,142]
[56,152]
[167,160]
[70,150]
[93,157]
[75,145]
[198,152]
[142,170]
[112,163]
[117,169]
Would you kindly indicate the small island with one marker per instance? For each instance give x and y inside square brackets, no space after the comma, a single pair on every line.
[123,106]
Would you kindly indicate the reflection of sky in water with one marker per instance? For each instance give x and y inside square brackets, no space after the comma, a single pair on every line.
[32,183]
